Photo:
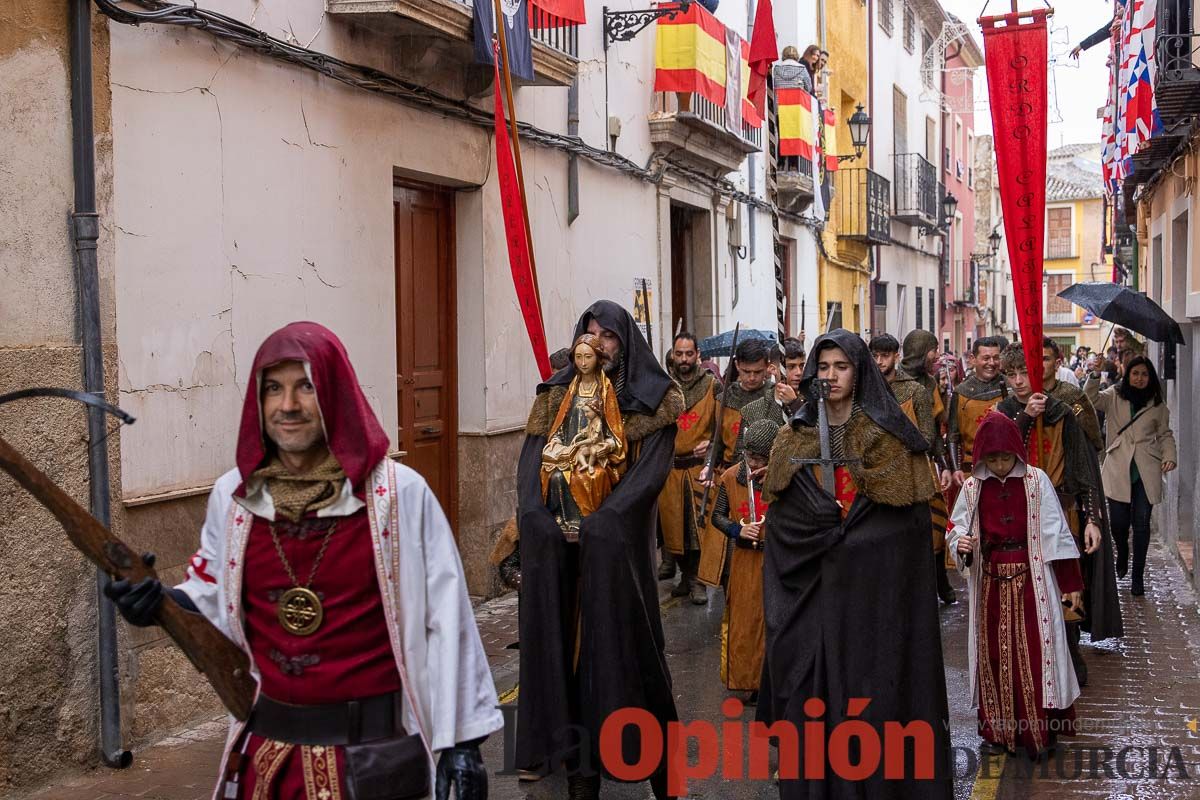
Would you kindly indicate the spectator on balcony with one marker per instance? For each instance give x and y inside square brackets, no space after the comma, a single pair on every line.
[821,77]
[794,71]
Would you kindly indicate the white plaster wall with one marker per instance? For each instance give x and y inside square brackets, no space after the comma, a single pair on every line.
[250,193]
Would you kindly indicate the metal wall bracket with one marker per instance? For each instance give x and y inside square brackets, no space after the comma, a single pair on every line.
[623,26]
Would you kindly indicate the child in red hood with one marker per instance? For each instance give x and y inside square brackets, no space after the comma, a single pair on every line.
[1011,538]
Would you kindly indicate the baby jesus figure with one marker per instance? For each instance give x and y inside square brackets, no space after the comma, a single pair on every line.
[589,443]
[586,445]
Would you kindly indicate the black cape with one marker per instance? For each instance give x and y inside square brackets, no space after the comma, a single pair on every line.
[851,606]
[621,662]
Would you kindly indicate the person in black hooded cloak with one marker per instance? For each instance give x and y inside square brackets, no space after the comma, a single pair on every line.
[849,599]
[591,634]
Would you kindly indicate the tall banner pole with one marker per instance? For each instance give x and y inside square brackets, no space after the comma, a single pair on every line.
[1015,52]
[498,24]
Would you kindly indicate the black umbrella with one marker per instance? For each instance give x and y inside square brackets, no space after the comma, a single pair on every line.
[722,343]
[1122,306]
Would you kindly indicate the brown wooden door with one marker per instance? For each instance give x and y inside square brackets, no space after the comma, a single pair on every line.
[425,341]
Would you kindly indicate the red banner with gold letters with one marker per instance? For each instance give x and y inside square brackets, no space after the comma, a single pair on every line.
[1016,61]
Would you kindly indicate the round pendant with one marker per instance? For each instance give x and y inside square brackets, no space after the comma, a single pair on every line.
[300,611]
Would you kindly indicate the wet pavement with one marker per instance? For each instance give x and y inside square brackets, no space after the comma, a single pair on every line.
[1144,693]
[693,639]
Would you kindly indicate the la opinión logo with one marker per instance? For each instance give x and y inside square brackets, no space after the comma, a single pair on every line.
[852,750]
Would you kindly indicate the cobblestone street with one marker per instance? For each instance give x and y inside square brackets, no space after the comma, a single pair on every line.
[1143,693]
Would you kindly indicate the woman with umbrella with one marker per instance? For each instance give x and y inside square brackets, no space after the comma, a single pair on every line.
[1140,450]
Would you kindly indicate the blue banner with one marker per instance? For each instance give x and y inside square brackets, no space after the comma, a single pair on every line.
[515,16]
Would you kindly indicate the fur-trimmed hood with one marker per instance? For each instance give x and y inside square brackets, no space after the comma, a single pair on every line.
[889,473]
[637,426]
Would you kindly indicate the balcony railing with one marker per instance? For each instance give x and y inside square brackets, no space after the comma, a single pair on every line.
[916,190]
[694,128]
[555,42]
[554,32]
[863,197]
[796,182]
[1060,248]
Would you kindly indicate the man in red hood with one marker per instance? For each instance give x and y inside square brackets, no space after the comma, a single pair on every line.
[334,568]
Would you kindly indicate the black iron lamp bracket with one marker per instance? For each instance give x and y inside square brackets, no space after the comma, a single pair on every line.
[623,26]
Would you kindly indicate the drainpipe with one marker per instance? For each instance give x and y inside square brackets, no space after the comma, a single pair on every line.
[85,231]
[873,280]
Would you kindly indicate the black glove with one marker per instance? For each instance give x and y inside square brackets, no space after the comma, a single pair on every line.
[139,601]
[462,767]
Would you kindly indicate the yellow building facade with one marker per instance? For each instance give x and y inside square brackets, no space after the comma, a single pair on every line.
[1074,243]
[844,265]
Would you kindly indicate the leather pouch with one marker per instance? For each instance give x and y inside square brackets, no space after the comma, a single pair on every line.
[388,769]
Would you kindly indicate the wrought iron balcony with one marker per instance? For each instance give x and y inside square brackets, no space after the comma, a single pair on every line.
[450,23]
[915,185]
[1060,248]
[862,201]
[1177,89]
[694,129]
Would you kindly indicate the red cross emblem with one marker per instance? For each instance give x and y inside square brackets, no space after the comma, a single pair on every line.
[736,427]
[744,508]
[239,519]
[379,490]
[233,563]
[687,419]
[199,568]
[384,533]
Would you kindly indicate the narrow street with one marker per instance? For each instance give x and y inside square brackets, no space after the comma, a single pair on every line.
[1143,693]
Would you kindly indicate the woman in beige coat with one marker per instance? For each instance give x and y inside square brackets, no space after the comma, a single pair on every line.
[1140,450]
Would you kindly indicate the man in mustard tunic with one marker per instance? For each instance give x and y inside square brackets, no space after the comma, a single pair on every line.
[972,400]
[678,505]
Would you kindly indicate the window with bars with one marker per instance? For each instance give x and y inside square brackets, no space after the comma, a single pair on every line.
[910,28]
[884,8]
[920,295]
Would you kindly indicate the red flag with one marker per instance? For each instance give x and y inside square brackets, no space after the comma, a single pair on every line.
[1016,71]
[514,230]
[763,52]
[557,13]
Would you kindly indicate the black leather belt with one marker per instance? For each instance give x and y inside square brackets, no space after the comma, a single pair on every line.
[364,720]
[687,462]
[748,544]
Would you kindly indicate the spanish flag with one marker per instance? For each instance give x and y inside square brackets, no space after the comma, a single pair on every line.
[831,159]
[796,123]
[556,13]
[689,55]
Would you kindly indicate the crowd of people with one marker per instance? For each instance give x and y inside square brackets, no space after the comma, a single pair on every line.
[824,492]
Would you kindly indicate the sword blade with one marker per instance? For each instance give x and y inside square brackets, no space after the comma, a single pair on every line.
[827,469]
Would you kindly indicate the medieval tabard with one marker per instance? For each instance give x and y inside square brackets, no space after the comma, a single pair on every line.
[1085,412]
[591,634]
[395,630]
[678,505]
[972,400]
[736,399]
[849,599]
[915,402]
